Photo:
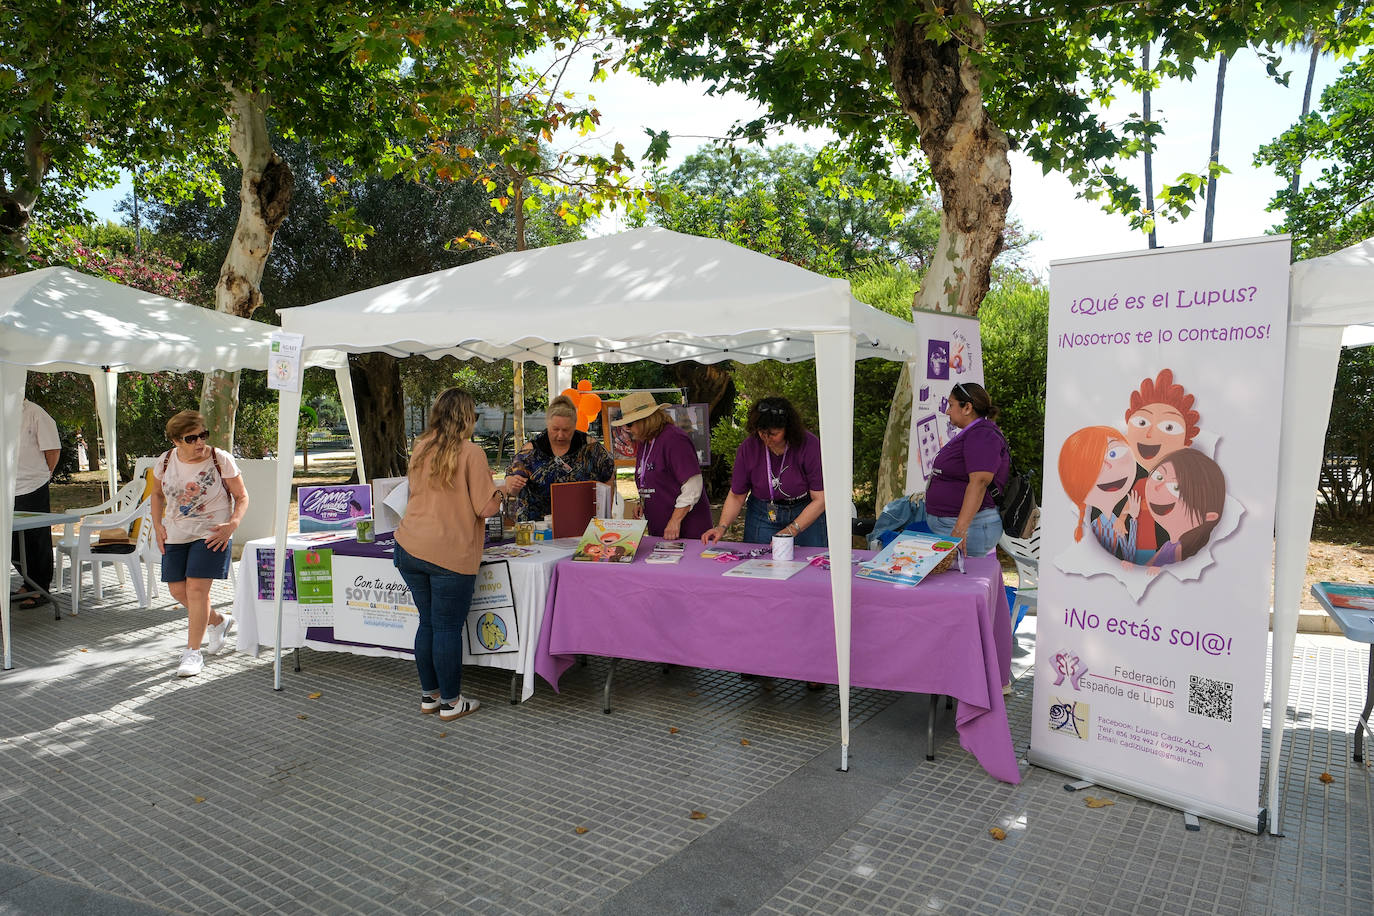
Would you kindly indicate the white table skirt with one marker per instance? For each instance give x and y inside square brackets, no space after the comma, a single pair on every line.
[256,621]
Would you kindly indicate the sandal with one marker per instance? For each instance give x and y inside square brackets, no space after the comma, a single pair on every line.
[29,602]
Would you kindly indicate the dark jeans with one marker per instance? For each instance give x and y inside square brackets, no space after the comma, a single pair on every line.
[759,530]
[37,541]
[443,597]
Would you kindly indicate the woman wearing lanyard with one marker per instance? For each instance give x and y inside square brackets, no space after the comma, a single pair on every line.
[957,502]
[666,470]
[778,470]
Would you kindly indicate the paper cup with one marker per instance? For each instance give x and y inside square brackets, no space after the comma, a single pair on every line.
[782,547]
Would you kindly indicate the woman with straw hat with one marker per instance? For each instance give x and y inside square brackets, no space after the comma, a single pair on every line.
[666,470]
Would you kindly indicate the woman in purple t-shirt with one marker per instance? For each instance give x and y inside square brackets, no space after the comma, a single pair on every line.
[778,471]
[666,470]
[957,501]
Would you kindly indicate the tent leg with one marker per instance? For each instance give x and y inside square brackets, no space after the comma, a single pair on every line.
[844,758]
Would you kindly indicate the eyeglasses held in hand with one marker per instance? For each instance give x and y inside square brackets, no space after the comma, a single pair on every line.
[196,437]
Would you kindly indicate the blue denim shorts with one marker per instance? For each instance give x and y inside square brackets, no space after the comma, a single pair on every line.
[194,560]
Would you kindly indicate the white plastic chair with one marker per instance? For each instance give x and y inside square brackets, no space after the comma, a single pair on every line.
[134,556]
[126,499]
[1026,553]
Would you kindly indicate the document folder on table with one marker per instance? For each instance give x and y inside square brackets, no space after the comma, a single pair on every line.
[577,503]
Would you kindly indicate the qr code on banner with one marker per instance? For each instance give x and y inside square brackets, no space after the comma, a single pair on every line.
[1210,698]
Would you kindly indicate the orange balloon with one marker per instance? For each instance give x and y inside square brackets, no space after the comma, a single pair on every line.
[588,409]
[585,385]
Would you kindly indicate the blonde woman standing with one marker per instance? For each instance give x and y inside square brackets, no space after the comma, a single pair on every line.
[439,546]
[198,501]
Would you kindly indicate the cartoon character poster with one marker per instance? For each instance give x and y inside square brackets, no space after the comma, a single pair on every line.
[1156,531]
[953,354]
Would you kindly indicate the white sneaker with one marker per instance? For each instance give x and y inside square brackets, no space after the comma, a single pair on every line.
[191,663]
[215,634]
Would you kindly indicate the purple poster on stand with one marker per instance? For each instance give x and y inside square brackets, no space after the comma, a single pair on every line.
[334,508]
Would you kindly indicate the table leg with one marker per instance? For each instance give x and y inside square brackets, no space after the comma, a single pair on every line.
[930,726]
[296,654]
[515,682]
[606,691]
[1363,724]
[24,574]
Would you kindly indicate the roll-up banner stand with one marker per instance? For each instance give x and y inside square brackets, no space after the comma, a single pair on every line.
[953,353]
[1165,381]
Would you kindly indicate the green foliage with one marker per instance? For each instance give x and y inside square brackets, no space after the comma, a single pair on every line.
[1346,487]
[860,215]
[1046,69]
[1336,208]
[1014,326]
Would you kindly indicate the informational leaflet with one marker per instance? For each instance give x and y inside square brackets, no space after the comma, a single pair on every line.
[1161,455]
[493,626]
[373,604]
[284,361]
[767,569]
[266,563]
[315,586]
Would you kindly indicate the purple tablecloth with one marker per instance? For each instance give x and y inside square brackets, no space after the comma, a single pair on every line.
[949,635]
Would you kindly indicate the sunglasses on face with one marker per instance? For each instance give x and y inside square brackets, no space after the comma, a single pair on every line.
[196,437]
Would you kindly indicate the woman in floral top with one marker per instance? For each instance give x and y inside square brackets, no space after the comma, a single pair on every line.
[560,454]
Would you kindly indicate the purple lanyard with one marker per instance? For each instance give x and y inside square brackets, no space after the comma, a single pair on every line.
[776,481]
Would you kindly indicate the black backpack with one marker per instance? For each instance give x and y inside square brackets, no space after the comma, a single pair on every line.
[1015,502]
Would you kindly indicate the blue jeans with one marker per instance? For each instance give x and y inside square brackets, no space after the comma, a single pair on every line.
[984,531]
[759,530]
[443,597]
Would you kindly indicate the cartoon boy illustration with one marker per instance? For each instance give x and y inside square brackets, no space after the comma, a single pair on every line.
[1159,421]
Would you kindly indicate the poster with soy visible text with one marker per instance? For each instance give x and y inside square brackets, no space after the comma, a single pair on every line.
[1165,380]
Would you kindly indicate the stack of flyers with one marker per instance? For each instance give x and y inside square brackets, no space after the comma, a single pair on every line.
[665,552]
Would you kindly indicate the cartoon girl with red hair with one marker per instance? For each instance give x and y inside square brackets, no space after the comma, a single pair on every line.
[1097,469]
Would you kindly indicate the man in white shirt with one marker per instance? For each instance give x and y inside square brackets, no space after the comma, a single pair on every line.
[39,449]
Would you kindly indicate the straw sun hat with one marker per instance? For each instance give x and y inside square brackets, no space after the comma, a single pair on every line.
[635,406]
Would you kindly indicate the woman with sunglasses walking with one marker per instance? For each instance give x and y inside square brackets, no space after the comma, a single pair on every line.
[198,500]
[776,480]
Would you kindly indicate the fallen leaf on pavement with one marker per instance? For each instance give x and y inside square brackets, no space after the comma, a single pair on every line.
[1326,777]
[672,731]
[301,715]
[579,830]
[698,815]
[744,741]
[199,798]
[1092,802]
[314,696]
[998,833]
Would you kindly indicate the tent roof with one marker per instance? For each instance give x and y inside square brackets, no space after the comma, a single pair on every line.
[59,319]
[645,294]
[1335,290]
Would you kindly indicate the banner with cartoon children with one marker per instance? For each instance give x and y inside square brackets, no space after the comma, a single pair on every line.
[953,354]
[1165,377]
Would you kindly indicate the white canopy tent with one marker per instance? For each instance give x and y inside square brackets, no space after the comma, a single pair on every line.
[1331,303]
[57,319]
[645,294]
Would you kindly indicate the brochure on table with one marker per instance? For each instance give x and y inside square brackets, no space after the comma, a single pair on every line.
[610,540]
[908,558]
[767,569]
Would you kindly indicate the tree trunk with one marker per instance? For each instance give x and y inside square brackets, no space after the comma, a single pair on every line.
[1215,156]
[264,197]
[1306,105]
[940,90]
[518,379]
[380,401]
[1149,150]
[712,384]
[16,204]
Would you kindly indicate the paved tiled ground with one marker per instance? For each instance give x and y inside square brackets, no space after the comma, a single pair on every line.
[217,794]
